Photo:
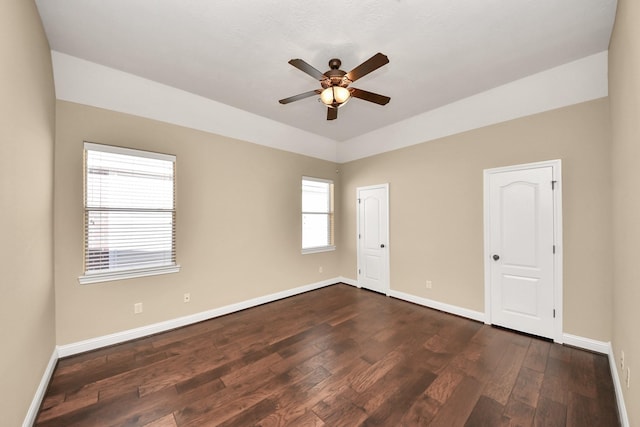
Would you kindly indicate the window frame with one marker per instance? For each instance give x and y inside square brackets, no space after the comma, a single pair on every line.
[330,213]
[127,272]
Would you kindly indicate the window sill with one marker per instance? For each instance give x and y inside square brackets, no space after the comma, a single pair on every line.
[126,274]
[319,249]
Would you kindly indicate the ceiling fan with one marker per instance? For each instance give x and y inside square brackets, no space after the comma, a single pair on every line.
[335,83]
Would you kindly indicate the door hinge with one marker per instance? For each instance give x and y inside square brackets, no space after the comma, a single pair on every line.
[554,249]
[359,201]
[359,236]
[359,272]
[554,313]
[553,185]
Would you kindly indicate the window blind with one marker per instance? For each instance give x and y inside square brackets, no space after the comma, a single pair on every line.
[130,213]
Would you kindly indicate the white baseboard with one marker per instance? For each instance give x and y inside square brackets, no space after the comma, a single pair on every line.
[119,337]
[617,385]
[348,281]
[586,343]
[32,412]
[572,340]
[448,308]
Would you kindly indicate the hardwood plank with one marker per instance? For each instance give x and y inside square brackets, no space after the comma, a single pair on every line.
[487,413]
[73,365]
[288,401]
[308,419]
[483,355]
[103,372]
[337,356]
[296,357]
[560,352]
[251,370]
[330,388]
[51,400]
[166,421]
[251,415]
[340,413]
[519,414]
[458,407]
[391,407]
[445,384]
[398,382]
[501,383]
[527,387]
[421,412]
[608,406]
[582,374]
[555,385]
[140,411]
[585,412]
[550,413]
[63,408]
[87,415]
[231,401]
[537,355]
[376,371]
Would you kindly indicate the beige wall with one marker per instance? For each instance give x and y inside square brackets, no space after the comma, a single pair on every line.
[27,115]
[238,220]
[436,209]
[624,92]
[239,225]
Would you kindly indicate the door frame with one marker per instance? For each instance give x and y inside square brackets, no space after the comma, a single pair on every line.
[556,167]
[387,244]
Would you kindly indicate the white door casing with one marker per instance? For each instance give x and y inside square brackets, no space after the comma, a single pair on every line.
[523,277]
[373,237]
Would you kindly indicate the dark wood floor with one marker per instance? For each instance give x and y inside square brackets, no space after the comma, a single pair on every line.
[338,356]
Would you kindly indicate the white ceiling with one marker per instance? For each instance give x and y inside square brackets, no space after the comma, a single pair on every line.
[236,52]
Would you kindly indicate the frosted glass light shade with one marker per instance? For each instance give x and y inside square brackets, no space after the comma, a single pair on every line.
[334,95]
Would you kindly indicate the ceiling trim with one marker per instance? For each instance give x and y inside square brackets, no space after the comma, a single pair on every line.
[579,81]
[88,83]
[85,82]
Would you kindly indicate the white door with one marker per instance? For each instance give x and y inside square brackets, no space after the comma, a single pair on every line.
[521,249]
[373,238]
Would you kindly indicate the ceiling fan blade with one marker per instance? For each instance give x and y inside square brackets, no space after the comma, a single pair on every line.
[299,96]
[306,68]
[332,113]
[371,64]
[369,96]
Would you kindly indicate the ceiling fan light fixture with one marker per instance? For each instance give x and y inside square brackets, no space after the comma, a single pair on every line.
[335,96]
[335,83]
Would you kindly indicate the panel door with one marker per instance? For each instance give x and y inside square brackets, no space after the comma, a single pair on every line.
[373,250]
[522,251]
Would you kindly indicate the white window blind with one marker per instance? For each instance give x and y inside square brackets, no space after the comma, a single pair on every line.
[129,212]
[317,215]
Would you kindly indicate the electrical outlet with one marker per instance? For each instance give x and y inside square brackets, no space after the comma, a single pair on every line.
[429,284]
[320,269]
[622,359]
[187,297]
[137,308]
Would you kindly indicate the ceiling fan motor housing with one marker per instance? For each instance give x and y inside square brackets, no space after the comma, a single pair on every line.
[335,76]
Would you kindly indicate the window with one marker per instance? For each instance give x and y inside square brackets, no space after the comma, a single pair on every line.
[317,215]
[129,213]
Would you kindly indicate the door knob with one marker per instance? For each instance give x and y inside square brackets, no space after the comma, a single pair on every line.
[382,245]
[496,257]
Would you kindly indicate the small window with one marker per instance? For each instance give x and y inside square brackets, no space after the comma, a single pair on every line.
[317,215]
[129,213]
